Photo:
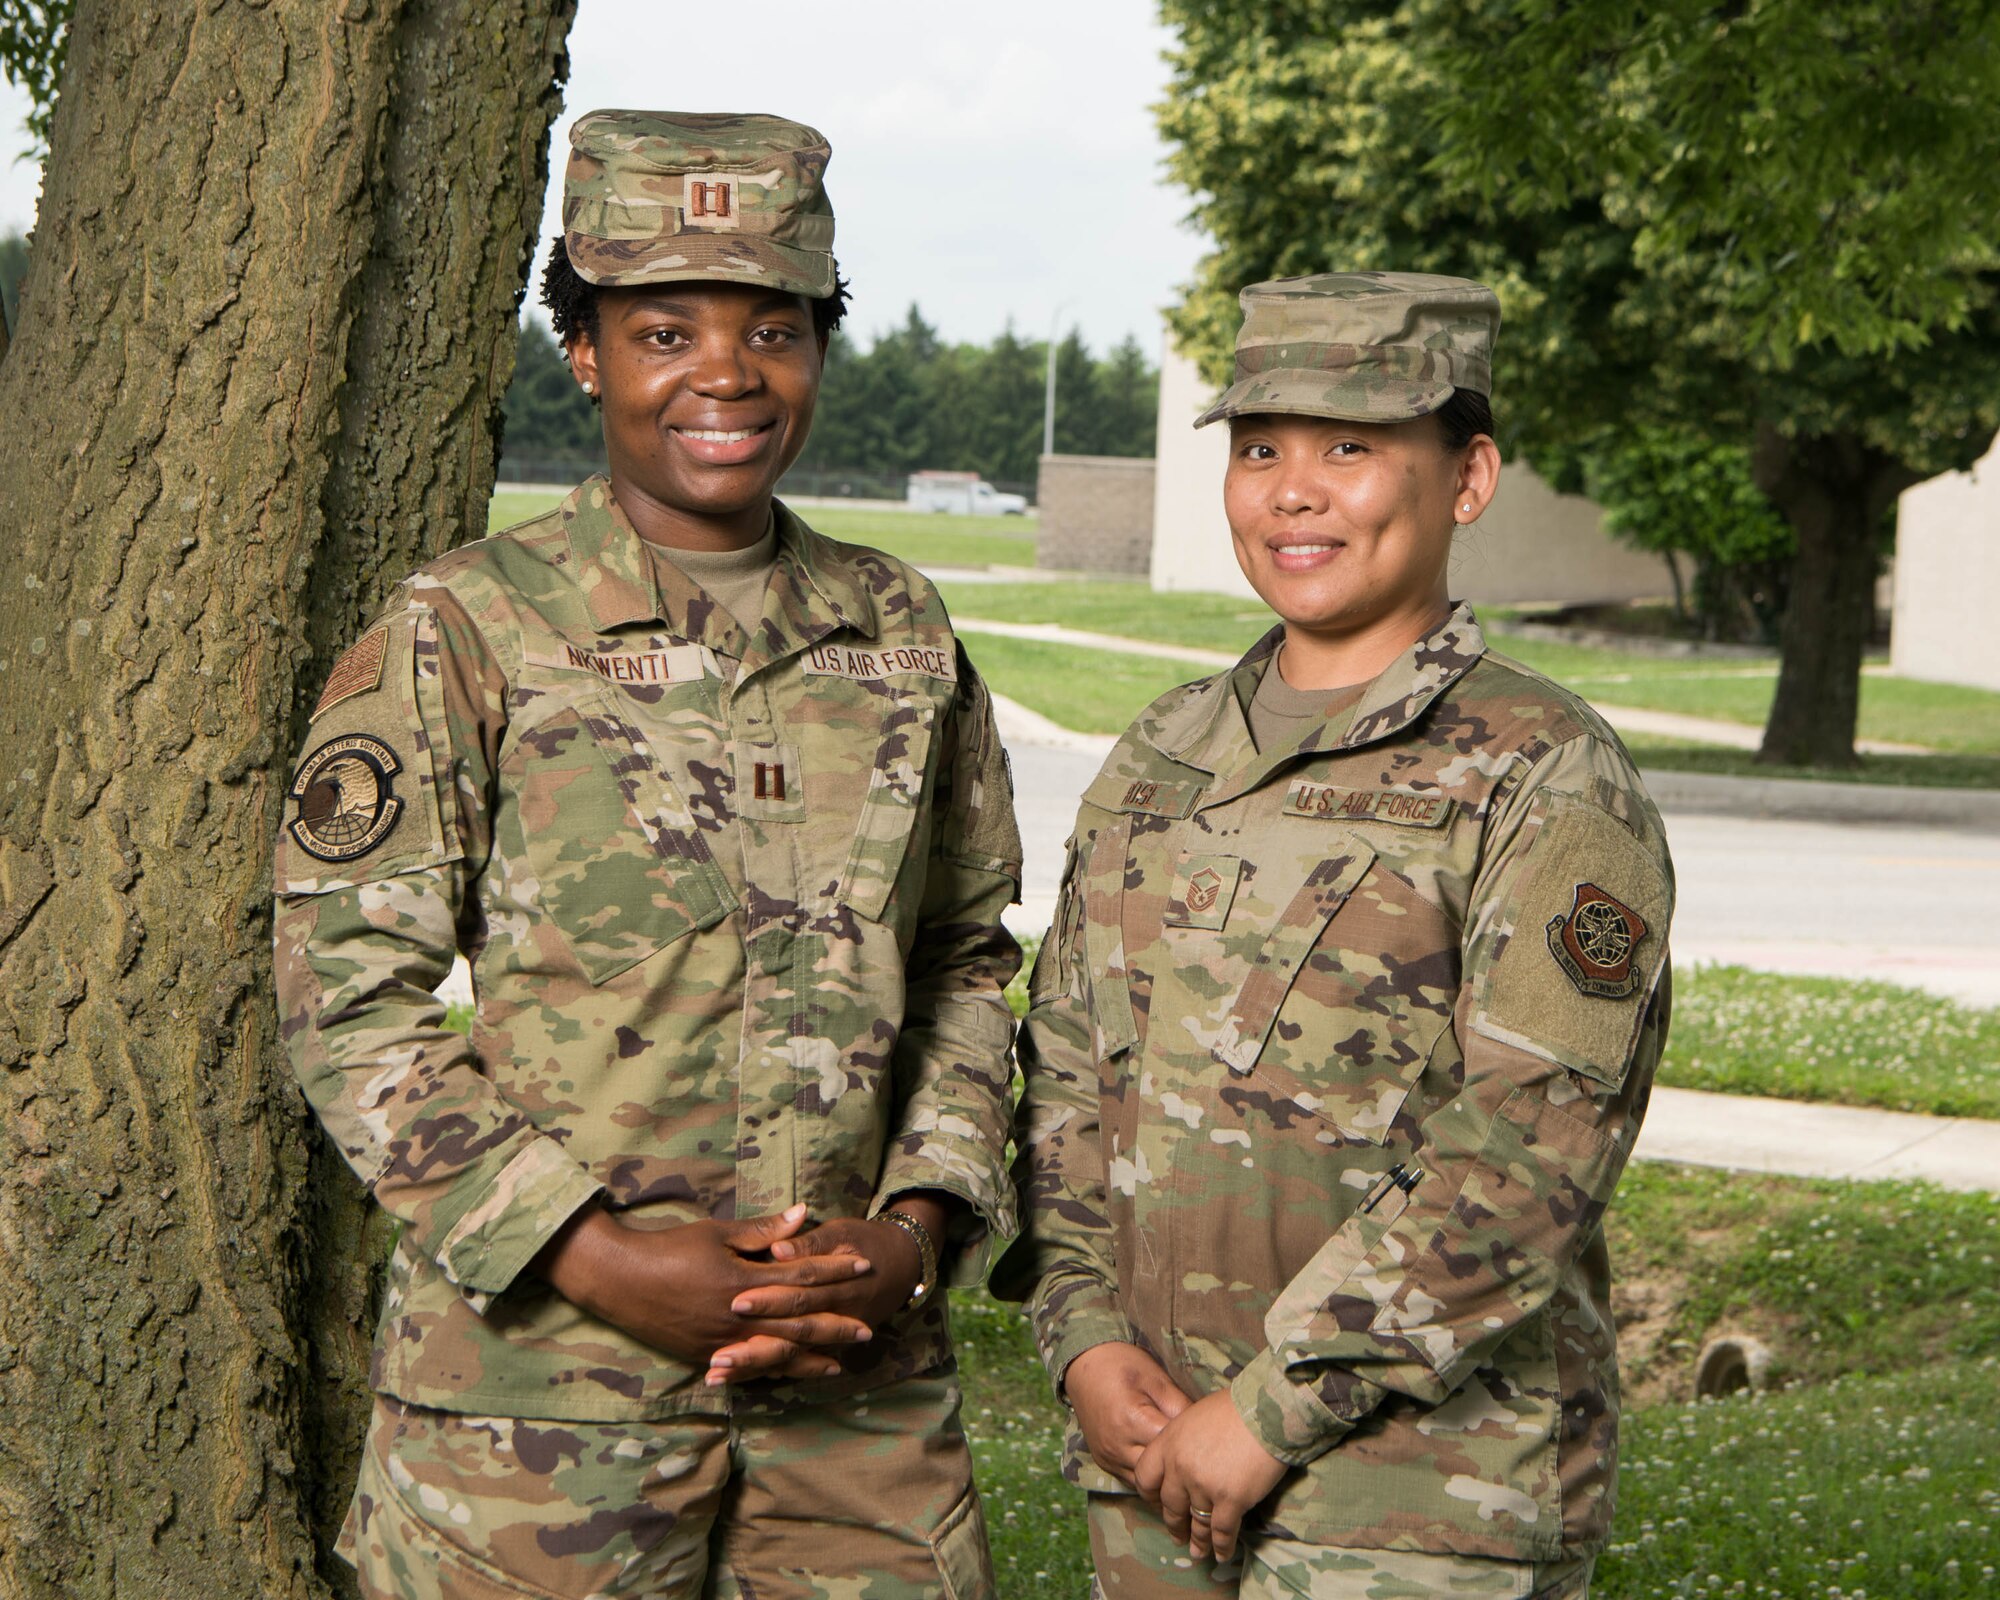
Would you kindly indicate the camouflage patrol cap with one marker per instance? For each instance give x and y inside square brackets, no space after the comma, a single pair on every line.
[668,196]
[1361,346]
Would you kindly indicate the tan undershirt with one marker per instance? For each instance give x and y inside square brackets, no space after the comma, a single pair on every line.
[1279,714]
[736,578]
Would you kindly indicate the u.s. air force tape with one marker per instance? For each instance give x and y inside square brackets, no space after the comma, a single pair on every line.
[1308,799]
[843,661]
[346,797]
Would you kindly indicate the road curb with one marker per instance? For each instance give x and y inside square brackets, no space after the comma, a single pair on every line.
[1815,800]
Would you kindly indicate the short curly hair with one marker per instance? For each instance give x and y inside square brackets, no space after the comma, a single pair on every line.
[572,300]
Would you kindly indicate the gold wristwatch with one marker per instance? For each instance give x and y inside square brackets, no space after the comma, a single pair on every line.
[927,1254]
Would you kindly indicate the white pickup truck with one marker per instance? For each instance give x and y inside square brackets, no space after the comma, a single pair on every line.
[963,494]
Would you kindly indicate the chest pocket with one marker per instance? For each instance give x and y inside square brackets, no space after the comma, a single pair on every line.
[620,867]
[892,802]
[1361,986]
[1281,949]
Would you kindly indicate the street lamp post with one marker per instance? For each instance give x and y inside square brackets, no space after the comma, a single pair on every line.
[1049,393]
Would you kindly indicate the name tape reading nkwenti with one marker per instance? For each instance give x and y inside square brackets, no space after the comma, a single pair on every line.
[681,663]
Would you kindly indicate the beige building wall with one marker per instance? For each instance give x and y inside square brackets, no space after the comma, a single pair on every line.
[1532,546]
[1095,514]
[1947,578]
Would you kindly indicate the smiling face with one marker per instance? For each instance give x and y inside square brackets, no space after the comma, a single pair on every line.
[1344,529]
[708,391]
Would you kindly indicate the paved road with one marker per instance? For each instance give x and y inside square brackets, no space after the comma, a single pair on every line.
[1919,906]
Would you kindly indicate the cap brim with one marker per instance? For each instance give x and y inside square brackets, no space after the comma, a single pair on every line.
[685,258]
[1340,397]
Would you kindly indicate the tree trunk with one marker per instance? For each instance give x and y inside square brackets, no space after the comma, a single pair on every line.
[259,374]
[1834,491]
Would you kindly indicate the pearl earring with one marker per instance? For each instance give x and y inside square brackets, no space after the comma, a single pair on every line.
[589,387]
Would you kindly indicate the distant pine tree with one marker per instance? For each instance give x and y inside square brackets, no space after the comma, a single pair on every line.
[548,416]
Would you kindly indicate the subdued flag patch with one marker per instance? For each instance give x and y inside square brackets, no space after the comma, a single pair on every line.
[357,671]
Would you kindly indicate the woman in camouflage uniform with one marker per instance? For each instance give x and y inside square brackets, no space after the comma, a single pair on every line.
[1343,1031]
[715,807]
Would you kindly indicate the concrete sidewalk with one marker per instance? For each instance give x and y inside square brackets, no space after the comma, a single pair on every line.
[1804,1140]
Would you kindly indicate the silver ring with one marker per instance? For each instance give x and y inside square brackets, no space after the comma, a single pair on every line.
[1203,1515]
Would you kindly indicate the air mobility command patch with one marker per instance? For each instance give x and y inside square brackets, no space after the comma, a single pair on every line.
[357,671]
[346,798]
[1595,941]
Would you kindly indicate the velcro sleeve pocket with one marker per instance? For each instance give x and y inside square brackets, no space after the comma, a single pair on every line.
[1578,949]
[366,800]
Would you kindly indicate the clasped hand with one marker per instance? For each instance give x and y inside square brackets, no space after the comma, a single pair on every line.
[1182,1457]
[770,1297]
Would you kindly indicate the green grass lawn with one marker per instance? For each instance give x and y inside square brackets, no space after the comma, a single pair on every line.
[924,539]
[1858,1044]
[929,539]
[1128,609]
[1944,717]
[1837,1278]
[1882,1304]
[1092,691]
[1920,772]
[1880,1487]
[509,506]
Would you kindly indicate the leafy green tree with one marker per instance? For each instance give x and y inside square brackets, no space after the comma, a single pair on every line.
[1679,494]
[1768,224]
[34,39]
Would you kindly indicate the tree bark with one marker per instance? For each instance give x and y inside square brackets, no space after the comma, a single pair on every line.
[1834,490]
[270,319]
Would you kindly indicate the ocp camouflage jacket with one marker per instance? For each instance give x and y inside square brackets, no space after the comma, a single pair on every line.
[732,903]
[1335,1056]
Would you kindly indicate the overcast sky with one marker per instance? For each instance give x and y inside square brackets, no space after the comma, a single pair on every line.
[988,163]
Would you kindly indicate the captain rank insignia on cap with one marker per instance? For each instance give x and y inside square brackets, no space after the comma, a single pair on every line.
[1596,941]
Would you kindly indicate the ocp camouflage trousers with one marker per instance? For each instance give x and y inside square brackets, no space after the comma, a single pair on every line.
[1137,1559]
[868,1498]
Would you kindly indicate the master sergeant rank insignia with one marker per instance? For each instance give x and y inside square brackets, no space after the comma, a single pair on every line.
[346,798]
[1596,941]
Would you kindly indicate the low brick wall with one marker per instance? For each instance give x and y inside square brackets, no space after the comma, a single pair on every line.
[1096,514]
